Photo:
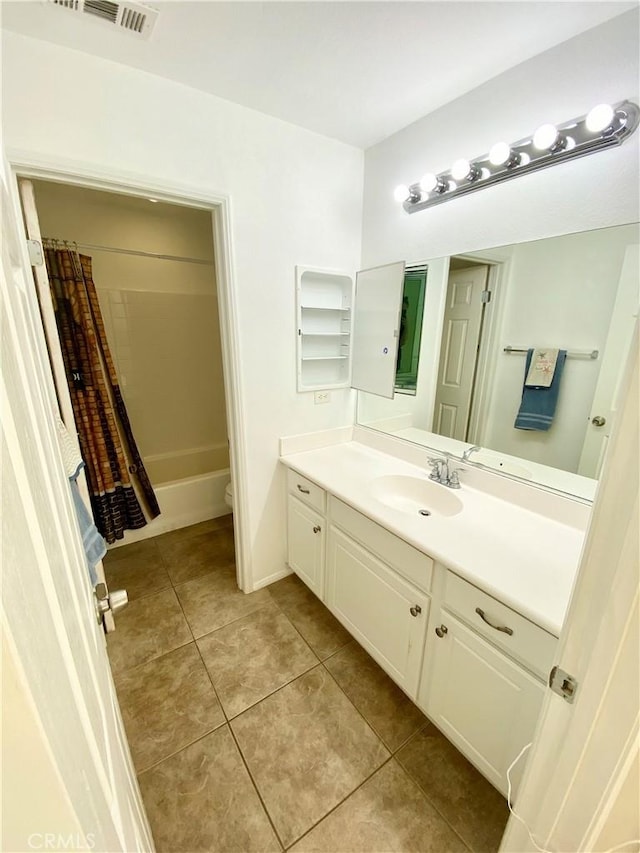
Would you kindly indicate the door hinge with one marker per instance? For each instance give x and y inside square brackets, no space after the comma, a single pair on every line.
[563,684]
[485,296]
[36,257]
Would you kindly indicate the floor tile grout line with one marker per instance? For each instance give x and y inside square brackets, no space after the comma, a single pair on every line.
[342,801]
[427,722]
[371,726]
[184,615]
[238,747]
[256,788]
[433,805]
[116,674]
[233,621]
[182,748]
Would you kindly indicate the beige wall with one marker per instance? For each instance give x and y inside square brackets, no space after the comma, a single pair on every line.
[161,319]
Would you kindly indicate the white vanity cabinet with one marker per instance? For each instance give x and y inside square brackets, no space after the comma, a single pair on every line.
[306,533]
[369,589]
[476,667]
[482,699]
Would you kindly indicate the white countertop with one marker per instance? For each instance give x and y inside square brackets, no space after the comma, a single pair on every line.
[525,559]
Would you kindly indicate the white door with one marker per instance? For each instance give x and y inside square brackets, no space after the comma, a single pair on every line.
[305,544]
[60,396]
[578,790]
[614,357]
[461,327]
[376,329]
[484,703]
[48,604]
[387,615]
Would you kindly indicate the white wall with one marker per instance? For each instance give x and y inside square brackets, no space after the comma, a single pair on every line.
[295,199]
[601,65]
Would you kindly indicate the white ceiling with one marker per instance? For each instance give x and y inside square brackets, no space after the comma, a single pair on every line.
[355,71]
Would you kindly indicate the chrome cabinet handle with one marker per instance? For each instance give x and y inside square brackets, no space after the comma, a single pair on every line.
[442,630]
[304,491]
[415,610]
[317,529]
[502,628]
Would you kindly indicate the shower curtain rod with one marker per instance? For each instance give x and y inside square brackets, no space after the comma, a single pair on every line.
[93,247]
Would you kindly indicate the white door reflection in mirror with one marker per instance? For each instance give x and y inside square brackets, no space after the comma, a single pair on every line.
[376,326]
[461,328]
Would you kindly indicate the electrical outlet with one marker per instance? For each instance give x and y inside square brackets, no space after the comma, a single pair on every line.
[321,397]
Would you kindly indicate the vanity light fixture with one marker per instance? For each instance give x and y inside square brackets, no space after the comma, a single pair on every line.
[431,183]
[463,170]
[604,126]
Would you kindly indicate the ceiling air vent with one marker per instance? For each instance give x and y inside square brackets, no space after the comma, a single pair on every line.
[133,17]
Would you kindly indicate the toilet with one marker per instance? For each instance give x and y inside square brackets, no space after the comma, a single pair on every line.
[228,495]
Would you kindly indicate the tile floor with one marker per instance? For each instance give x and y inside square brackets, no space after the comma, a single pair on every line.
[256,723]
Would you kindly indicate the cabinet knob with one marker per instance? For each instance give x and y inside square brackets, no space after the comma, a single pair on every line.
[415,610]
[317,528]
[442,630]
[598,421]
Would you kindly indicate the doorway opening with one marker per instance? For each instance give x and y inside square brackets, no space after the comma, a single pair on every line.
[157,263]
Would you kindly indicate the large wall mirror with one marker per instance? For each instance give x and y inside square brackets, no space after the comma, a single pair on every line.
[482,313]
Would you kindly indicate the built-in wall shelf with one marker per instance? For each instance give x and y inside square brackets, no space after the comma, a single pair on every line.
[323,299]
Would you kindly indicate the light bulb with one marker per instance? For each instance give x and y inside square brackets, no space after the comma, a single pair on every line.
[545,137]
[401,193]
[460,170]
[428,182]
[499,154]
[599,118]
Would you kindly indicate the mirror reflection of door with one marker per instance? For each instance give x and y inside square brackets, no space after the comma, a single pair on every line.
[461,331]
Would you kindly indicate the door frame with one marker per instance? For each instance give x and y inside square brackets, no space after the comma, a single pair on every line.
[26,165]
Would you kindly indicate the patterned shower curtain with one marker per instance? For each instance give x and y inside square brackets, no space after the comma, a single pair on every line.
[122,497]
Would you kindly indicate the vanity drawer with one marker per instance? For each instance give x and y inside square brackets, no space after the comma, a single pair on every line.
[527,642]
[306,491]
[396,553]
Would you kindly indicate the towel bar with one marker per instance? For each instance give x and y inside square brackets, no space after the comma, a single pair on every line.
[594,353]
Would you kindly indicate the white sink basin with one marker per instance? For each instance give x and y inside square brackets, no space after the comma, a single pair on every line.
[415,495]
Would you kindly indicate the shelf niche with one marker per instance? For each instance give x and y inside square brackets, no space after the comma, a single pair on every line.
[323,302]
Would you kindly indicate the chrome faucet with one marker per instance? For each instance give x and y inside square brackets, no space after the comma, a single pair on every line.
[469,451]
[441,473]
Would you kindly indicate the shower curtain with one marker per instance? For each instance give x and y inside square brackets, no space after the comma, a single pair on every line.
[122,497]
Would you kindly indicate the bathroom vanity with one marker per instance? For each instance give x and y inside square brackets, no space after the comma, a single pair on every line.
[459,595]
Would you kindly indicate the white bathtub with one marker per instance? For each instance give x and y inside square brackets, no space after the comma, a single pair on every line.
[184,502]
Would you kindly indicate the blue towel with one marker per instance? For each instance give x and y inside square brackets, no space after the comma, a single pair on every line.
[538,405]
[94,547]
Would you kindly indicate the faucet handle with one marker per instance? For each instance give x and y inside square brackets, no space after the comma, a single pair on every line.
[454,479]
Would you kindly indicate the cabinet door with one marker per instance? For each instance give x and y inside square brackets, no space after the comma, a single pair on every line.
[484,703]
[305,544]
[376,329]
[387,615]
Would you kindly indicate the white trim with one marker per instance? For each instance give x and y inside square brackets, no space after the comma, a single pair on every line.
[276,576]
[78,173]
